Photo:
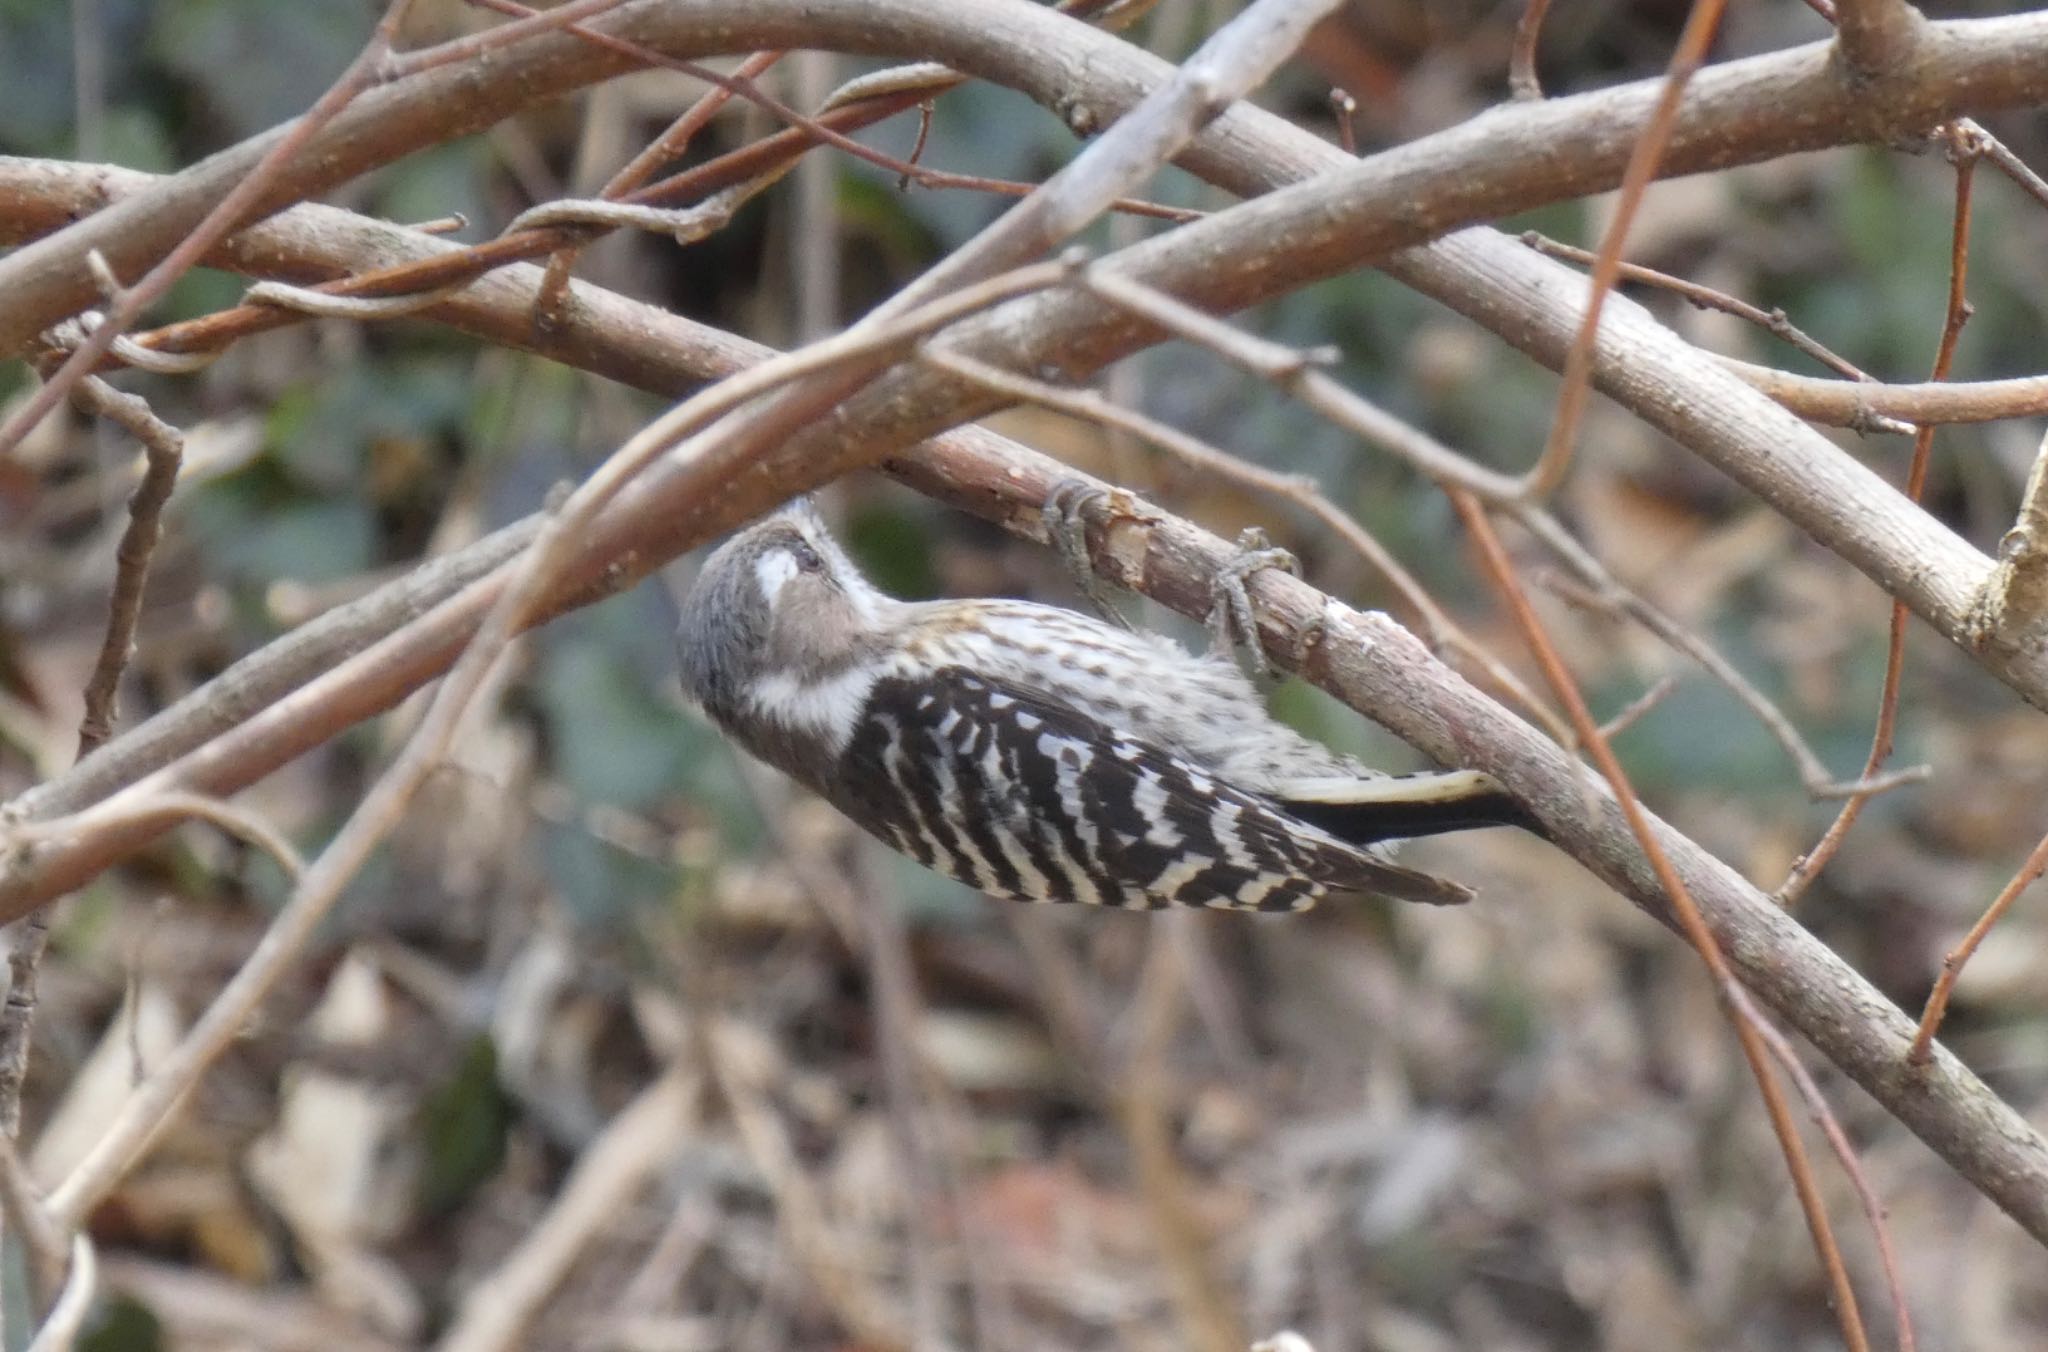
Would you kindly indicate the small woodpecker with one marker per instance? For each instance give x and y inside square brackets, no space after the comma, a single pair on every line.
[1039,754]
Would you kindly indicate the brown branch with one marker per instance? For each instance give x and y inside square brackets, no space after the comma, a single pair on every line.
[1876,37]
[164,453]
[1775,322]
[1522,77]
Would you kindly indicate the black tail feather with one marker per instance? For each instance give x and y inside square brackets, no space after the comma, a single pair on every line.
[1370,822]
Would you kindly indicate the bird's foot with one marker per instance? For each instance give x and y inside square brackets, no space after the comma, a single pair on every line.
[1067,530]
[1231,618]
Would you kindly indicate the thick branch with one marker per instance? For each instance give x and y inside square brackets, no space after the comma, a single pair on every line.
[1506,159]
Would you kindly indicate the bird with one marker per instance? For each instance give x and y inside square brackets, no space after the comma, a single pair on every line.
[1040,754]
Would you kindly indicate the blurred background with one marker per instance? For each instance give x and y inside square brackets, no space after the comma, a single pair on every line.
[882,1105]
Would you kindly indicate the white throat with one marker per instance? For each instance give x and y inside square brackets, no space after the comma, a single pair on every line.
[826,708]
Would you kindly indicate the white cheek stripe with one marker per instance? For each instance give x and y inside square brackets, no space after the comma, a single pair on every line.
[827,709]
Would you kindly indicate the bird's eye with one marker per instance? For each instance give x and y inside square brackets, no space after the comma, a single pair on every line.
[807,558]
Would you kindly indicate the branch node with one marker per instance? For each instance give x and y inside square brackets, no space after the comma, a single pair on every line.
[1876,38]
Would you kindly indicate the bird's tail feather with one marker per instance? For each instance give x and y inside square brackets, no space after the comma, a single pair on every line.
[1378,878]
[1363,811]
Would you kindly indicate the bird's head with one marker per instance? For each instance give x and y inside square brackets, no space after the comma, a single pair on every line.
[778,607]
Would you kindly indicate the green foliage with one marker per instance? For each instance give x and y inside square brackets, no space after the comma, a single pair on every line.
[256,63]
[122,1324]
[891,547]
[613,741]
[463,1122]
[35,45]
[134,139]
[259,543]
[441,181]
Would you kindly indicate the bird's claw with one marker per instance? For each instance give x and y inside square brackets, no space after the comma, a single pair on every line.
[1067,530]
[1231,618]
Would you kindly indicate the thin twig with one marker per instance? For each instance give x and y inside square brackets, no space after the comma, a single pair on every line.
[768,158]
[47,1249]
[167,806]
[1845,1153]
[1634,711]
[1522,77]
[1295,373]
[1809,865]
[163,449]
[474,45]
[1775,322]
[1596,589]
[736,1057]
[899,1022]
[1952,965]
[1687,57]
[2010,164]
[28,938]
[663,149]
[60,1331]
[1871,405]
[1346,109]
[1742,1014]
[1139,1093]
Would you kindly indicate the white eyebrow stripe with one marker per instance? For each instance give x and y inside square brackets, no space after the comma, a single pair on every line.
[773,570]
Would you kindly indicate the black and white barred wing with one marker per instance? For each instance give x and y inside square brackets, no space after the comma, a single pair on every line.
[1031,800]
